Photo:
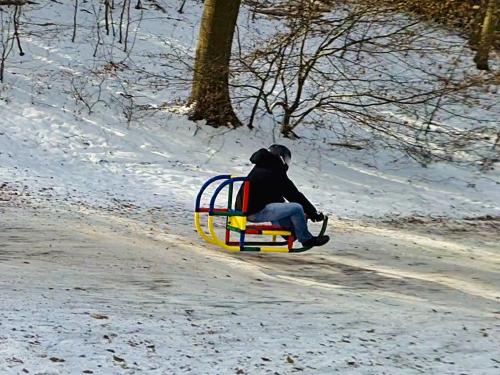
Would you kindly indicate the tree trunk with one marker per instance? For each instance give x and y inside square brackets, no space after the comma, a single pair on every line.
[487,35]
[210,91]
[286,128]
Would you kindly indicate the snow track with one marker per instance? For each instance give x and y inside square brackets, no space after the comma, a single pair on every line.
[86,291]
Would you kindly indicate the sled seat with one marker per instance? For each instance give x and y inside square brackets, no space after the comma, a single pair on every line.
[238,224]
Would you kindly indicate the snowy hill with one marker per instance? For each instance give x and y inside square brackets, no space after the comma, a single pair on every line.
[97,129]
[99,168]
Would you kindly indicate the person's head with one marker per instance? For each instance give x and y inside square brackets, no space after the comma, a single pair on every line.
[282,152]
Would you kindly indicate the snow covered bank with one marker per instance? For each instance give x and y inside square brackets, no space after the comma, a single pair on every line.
[164,166]
[87,290]
[97,131]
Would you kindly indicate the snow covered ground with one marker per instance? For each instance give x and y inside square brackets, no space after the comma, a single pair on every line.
[99,259]
[90,292]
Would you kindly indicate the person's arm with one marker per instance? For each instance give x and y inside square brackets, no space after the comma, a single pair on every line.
[292,194]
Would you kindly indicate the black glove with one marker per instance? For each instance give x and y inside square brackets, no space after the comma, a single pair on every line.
[318,216]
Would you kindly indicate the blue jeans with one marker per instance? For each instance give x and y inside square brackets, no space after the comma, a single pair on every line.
[287,215]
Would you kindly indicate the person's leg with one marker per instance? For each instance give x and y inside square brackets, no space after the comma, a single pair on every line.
[284,223]
[279,212]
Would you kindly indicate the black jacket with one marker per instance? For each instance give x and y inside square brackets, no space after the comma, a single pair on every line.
[270,184]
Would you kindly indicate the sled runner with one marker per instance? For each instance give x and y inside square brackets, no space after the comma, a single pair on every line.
[236,221]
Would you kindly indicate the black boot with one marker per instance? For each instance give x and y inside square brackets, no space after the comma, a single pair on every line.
[316,241]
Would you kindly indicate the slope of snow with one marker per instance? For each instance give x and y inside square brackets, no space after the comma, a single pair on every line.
[142,293]
[89,153]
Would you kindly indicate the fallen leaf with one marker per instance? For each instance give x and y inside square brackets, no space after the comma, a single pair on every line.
[55,359]
[14,360]
[99,316]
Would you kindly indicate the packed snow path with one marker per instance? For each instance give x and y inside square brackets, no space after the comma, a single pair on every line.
[88,292]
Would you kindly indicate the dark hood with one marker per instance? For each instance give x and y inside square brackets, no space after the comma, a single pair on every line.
[264,159]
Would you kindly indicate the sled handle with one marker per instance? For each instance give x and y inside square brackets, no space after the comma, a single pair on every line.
[205,186]
[219,189]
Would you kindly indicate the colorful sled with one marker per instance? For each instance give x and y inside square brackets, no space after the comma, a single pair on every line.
[236,222]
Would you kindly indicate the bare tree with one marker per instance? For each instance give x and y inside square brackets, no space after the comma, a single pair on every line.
[107,15]
[75,16]
[181,8]
[9,36]
[348,68]
[210,91]
[487,35]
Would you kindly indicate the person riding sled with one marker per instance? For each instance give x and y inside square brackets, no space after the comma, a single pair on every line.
[274,197]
